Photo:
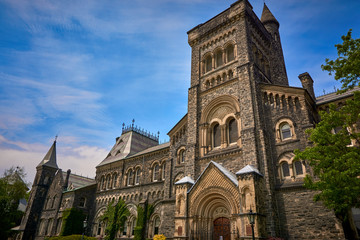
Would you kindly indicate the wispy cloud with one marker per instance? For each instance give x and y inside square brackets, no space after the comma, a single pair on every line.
[81,159]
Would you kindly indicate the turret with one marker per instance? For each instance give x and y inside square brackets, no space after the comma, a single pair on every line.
[45,172]
[270,22]
[272,25]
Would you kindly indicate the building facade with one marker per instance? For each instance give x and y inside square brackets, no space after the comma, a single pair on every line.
[231,153]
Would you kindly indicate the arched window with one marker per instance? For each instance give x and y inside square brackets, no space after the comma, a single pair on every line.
[208,63]
[285,171]
[230,53]
[285,131]
[49,226]
[137,176]
[114,181]
[182,156]
[133,224]
[108,181]
[124,228]
[156,169]
[53,202]
[216,136]
[156,225]
[58,226]
[102,183]
[233,135]
[163,168]
[298,168]
[219,59]
[130,178]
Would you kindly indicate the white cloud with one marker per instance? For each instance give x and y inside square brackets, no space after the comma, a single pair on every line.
[81,159]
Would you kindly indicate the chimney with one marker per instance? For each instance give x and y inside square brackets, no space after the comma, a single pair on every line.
[66,183]
[308,83]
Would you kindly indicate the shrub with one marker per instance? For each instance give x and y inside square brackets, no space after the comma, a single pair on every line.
[159,237]
[72,237]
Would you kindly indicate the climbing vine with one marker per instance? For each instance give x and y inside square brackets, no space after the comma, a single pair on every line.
[72,222]
[115,216]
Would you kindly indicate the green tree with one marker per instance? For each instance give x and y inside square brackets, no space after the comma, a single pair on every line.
[347,66]
[335,154]
[115,216]
[12,189]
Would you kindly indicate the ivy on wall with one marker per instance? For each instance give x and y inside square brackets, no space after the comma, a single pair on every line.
[72,222]
[115,216]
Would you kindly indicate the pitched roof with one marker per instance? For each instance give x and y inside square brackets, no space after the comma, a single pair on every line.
[249,169]
[335,96]
[129,144]
[50,158]
[267,16]
[227,173]
[77,181]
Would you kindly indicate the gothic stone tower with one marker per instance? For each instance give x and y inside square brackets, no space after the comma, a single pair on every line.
[45,173]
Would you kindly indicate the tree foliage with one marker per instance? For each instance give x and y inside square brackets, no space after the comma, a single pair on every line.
[115,216]
[13,188]
[347,66]
[335,154]
[335,163]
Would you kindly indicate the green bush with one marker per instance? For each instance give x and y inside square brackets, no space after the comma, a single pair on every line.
[72,237]
[138,233]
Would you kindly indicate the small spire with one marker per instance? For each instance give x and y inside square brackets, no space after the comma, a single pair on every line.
[267,16]
[50,157]
[133,121]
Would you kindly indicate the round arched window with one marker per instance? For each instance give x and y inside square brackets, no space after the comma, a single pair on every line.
[233,135]
[216,136]
[285,131]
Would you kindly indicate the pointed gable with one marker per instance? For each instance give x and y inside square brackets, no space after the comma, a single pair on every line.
[267,16]
[50,158]
[215,175]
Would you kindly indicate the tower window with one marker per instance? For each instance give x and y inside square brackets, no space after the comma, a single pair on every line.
[285,131]
[216,136]
[230,53]
[219,60]
[285,171]
[208,63]
[232,131]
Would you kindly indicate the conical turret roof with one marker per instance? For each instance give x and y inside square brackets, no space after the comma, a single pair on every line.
[267,16]
[50,158]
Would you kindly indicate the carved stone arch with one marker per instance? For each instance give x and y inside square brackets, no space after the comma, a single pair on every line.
[280,122]
[212,196]
[222,101]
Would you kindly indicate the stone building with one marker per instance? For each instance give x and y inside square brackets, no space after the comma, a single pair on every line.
[231,153]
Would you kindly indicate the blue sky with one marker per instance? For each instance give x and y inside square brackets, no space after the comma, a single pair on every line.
[80,68]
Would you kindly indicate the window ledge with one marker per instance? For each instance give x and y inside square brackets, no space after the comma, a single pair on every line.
[287,141]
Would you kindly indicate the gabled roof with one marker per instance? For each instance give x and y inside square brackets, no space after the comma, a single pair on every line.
[227,173]
[249,169]
[50,158]
[267,16]
[77,181]
[185,180]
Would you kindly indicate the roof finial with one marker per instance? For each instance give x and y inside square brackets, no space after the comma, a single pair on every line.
[123,126]
[133,121]
[56,138]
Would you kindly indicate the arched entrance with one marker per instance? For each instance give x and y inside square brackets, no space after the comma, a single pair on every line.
[221,229]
